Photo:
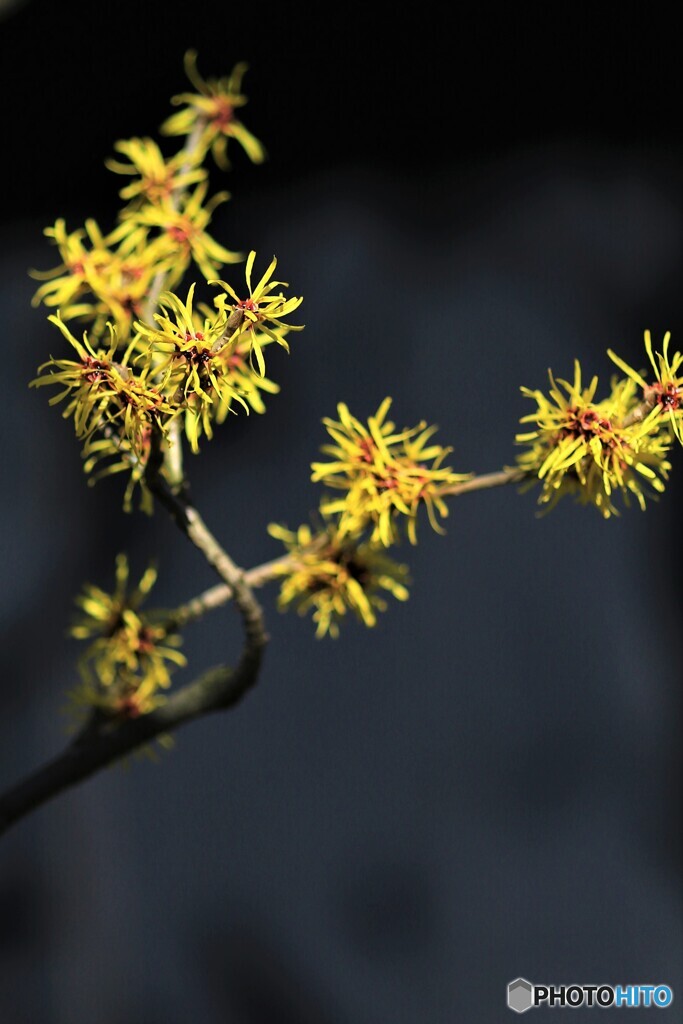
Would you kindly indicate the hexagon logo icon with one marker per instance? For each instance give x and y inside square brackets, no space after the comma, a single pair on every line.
[520,995]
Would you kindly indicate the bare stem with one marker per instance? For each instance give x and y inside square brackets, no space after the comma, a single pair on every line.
[485,481]
[221,593]
[639,412]
[173,456]
[188,519]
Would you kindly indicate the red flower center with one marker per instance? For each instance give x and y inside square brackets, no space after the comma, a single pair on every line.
[129,707]
[94,370]
[180,233]
[224,113]
[586,424]
[367,447]
[666,395]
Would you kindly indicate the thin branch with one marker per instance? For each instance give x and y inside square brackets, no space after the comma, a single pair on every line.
[221,593]
[486,480]
[188,519]
[173,456]
[639,412]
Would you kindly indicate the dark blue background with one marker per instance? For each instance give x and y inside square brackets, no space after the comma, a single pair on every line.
[394,825]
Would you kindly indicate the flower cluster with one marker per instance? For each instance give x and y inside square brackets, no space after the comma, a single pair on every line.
[130,654]
[207,364]
[180,233]
[665,393]
[385,475]
[149,361]
[100,278]
[596,450]
[114,410]
[332,575]
[382,476]
[258,317]
[189,357]
[158,180]
[212,110]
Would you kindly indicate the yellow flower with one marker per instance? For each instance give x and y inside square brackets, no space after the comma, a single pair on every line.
[244,380]
[191,362]
[157,178]
[121,288]
[100,283]
[127,661]
[590,449]
[69,281]
[260,314]
[384,473]
[213,106]
[666,394]
[183,234]
[102,393]
[102,614]
[331,576]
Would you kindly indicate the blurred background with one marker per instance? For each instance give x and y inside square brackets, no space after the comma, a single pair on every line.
[394,825]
